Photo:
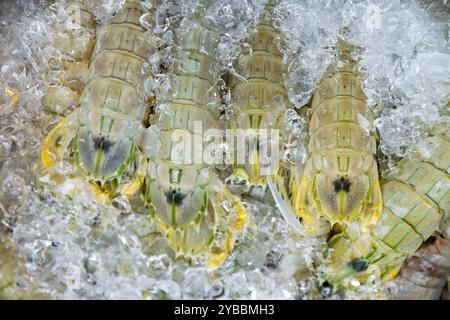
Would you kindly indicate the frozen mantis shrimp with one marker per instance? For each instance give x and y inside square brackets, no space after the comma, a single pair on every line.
[97,135]
[340,181]
[339,184]
[416,203]
[373,228]
[101,135]
[260,99]
[187,199]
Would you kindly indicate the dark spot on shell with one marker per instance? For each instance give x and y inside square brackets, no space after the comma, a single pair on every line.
[342,184]
[359,265]
[58,141]
[176,197]
[102,143]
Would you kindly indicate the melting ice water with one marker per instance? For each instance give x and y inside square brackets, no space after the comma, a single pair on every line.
[85,250]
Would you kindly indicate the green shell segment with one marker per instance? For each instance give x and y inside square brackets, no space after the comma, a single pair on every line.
[110,106]
[179,191]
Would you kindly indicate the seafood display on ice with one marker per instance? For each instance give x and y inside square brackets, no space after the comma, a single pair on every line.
[255,149]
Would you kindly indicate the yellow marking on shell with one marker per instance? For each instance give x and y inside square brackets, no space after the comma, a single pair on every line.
[307,218]
[166,229]
[295,190]
[131,188]
[392,274]
[216,259]
[242,218]
[238,207]
[12,94]
[377,208]
[342,201]
[300,202]
[50,151]
[101,196]
[230,240]
[256,177]
[169,231]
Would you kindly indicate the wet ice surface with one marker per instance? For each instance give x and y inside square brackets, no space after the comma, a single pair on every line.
[85,250]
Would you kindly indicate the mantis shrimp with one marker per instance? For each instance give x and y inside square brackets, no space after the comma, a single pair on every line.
[415,204]
[260,99]
[340,180]
[339,184]
[186,197]
[101,135]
